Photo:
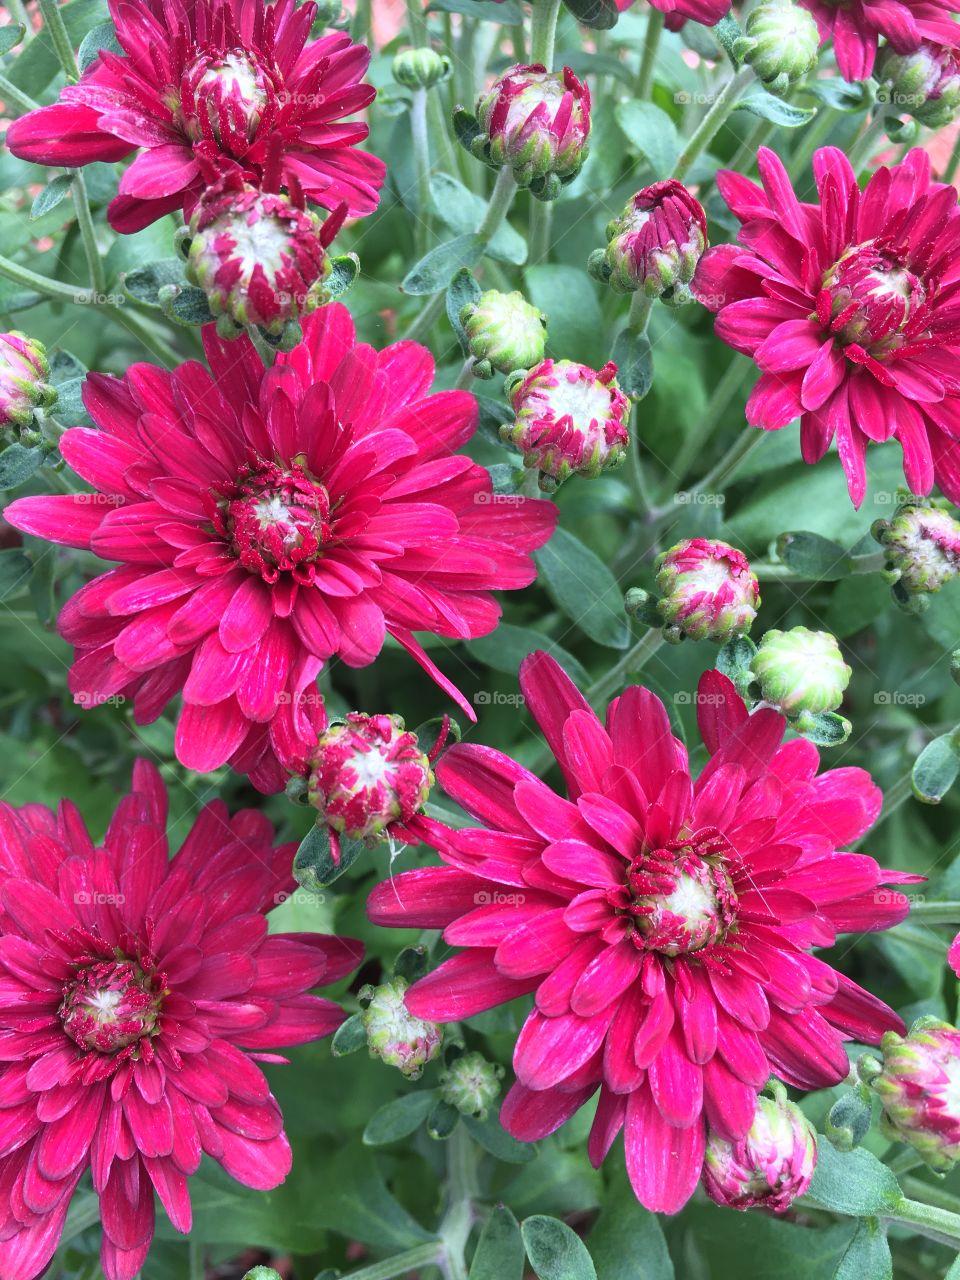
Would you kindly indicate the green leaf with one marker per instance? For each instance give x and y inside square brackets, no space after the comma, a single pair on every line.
[499,1254]
[935,769]
[358,1205]
[69,408]
[437,268]
[349,1036]
[64,366]
[601,15]
[103,36]
[14,572]
[50,196]
[411,964]
[633,357]
[767,107]
[507,14]
[442,1120]
[507,647]
[144,284]
[813,556]
[728,31]
[854,1182]
[399,1118]
[838,94]
[555,1250]
[734,661]
[463,211]
[651,132]
[11,35]
[824,728]
[868,1255]
[463,290]
[185,304]
[568,297]
[954,1272]
[17,464]
[492,1136]
[315,864]
[627,1242]
[584,588]
[36,65]
[344,271]
[466,128]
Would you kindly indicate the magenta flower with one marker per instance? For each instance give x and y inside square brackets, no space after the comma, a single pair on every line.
[267,520]
[677,12]
[857,25]
[848,308]
[237,79]
[664,924]
[135,994]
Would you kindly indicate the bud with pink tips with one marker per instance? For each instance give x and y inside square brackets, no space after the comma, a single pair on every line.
[367,774]
[918,1085]
[537,122]
[768,1168]
[24,388]
[569,419]
[707,591]
[655,244]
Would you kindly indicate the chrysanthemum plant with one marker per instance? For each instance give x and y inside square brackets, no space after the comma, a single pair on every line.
[479,640]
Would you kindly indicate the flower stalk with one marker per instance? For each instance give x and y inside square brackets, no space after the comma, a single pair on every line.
[716,117]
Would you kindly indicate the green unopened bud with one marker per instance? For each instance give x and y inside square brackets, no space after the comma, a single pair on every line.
[262,1273]
[471,1084]
[394,1034]
[420,68]
[800,672]
[925,84]
[504,332]
[780,43]
[849,1119]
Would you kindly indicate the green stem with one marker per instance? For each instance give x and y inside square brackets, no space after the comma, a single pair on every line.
[18,11]
[421,160]
[916,1213]
[640,308]
[717,477]
[417,22]
[746,153]
[144,332]
[936,912]
[543,31]
[861,150]
[401,1264]
[14,97]
[951,170]
[765,569]
[462,1193]
[631,661]
[266,353]
[692,447]
[465,376]
[42,284]
[920,1190]
[197,1261]
[811,138]
[906,1161]
[726,100]
[81,203]
[649,60]
[501,198]
[538,233]
[53,21]
[430,312]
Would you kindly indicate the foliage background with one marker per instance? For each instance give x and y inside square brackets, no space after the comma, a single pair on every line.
[345,1200]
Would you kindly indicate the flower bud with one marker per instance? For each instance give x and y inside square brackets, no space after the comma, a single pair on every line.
[655,244]
[708,591]
[925,83]
[420,68]
[23,380]
[921,544]
[800,672]
[504,332]
[259,259]
[394,1034]
[262,1273]
[537,122]
[471,1084]
[769,1167]
[367,773]
[569,418]
[780,43]
[919,1090]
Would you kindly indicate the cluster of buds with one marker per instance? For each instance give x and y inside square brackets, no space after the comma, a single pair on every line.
[569,419]
[655,244]
[368,774]
[707,591]
[260,258]
[925,83]
[24,389]
[921,544]
[420,68]
[393,1034]
[918,1085]
[780,42]
[802,674]
[537,123]
[504,332]
[471,1084]
[770,1166]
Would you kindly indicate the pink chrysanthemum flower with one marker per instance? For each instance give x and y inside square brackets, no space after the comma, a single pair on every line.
[857,25]
[266,520]
[677,12]
[665,924]
[849,309]
[131,989]
[213,78]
